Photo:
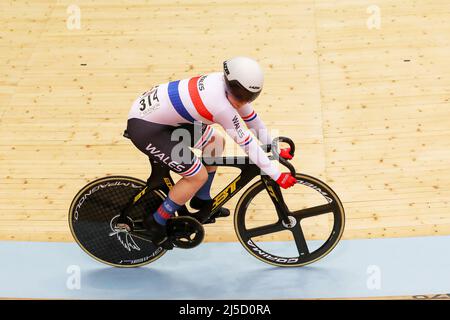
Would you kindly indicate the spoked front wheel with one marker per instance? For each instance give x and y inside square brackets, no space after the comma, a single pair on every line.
[316,222]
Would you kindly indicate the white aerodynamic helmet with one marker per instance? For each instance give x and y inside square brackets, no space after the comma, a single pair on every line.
[244,78]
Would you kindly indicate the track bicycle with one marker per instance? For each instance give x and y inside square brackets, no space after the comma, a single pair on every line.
[106,216]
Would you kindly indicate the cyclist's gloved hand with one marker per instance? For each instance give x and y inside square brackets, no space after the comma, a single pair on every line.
[285,153]
[286,180]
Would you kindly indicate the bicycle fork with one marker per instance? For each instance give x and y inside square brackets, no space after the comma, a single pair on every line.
[277,198]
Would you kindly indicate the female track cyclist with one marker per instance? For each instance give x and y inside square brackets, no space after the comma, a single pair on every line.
[170,111]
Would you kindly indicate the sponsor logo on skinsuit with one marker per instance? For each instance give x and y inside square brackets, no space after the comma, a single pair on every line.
[165,159]
[237,126]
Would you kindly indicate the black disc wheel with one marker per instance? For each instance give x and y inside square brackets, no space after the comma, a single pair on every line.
[313,226]
[93,216]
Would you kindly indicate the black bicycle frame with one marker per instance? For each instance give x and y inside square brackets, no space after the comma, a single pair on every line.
[161,180]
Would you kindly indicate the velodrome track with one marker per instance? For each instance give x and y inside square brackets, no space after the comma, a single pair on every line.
[361,87]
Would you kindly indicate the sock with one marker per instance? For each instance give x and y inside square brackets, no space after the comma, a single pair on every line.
[165,211]
[203,192]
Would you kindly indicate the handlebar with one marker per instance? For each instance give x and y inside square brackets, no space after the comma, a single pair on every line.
[274,150]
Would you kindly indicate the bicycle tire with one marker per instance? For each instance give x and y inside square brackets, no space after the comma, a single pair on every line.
[254,250]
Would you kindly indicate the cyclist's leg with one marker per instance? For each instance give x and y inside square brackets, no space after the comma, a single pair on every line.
[205,138]
[186,187]
[212,144]
[157,141]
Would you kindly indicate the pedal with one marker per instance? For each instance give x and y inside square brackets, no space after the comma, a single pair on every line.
[141,232]
[210,220]
[222,213]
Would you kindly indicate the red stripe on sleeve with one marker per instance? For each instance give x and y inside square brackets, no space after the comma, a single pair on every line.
[197,101]
[250,115]
[243,142]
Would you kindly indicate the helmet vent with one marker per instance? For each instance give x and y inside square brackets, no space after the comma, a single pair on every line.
[225,68]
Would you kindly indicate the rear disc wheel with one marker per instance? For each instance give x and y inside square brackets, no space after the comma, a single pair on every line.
[93,216]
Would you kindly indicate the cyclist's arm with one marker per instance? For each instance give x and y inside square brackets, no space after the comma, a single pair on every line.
[255,123]
[229,119]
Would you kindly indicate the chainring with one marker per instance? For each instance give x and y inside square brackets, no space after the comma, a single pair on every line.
[185,232]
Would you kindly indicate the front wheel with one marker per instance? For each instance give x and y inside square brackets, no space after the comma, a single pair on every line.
[316,222]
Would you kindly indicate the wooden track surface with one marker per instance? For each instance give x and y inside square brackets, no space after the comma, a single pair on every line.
[368,108]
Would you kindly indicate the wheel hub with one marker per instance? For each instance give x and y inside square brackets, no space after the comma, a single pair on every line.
[291,224]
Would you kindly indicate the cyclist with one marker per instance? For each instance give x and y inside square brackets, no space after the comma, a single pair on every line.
[191,106]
